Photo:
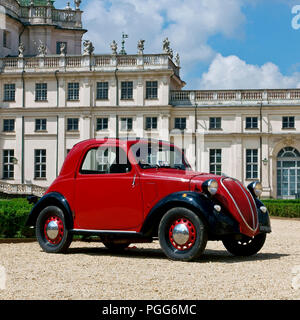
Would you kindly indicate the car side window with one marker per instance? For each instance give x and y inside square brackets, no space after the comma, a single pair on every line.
[105,160]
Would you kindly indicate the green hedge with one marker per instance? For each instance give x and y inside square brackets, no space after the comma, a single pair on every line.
[13,215]
[283,208]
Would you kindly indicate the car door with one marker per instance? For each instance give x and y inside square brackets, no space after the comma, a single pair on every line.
[107,191]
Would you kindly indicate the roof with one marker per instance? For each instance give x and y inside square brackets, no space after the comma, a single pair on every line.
[130,140]
[26,3]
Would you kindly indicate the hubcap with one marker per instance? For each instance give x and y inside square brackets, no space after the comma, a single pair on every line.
[54,229]
[182,234]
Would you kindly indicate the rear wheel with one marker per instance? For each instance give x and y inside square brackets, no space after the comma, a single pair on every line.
[51,231]
[243,245]
[182,234]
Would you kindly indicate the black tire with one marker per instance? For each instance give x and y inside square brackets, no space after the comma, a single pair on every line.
[64,238]
[246,246]
[196,244]
[114,246]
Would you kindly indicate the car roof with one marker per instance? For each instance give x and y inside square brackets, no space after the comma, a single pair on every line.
[123,140]
[76,152]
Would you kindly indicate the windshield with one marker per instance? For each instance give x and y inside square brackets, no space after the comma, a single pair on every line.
[155,155]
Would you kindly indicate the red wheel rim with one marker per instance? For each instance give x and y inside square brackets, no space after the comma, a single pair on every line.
[187,238]
[54,230]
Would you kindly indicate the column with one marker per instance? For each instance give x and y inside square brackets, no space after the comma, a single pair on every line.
[163,127]
[85,127]
[139,125]
[61,141]
[18,151]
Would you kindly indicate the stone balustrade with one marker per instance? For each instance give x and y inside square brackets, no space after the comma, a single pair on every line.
[234,97]
[21,189]
[44,14]
[87,62]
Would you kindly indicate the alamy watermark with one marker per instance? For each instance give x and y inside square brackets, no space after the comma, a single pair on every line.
[296,18]
[2,278]
[296,277]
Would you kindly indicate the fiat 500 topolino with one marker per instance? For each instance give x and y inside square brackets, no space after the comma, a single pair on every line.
[136,190]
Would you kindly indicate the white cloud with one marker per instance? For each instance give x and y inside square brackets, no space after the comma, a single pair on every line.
[233,73]
[187,23]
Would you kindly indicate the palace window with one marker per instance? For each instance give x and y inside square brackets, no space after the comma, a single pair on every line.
[126,90]
[9,92]
[215,161]
[8,164]
[151,89]
[151,123]
[6,39]
[215,123]
[41,92]
[40,163]
[72,124]
[73,91]
[126,124]
[102,124]
[251,122]
[9,125]
[251,164]
[180,123]
[288,122]
[40,124]
[102,90]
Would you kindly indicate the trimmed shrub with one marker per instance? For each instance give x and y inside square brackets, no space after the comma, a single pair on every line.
[13,215]
[283,208]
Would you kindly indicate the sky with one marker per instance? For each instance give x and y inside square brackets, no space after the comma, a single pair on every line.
[222,44]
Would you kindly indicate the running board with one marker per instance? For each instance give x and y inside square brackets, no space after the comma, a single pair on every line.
[115,233]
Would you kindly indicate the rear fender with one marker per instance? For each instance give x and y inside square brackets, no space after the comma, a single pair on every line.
[51,199]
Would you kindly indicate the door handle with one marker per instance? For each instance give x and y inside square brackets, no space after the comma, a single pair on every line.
[133,181]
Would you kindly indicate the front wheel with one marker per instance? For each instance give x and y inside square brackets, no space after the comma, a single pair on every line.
[182,234]
[244,245]
[51,231]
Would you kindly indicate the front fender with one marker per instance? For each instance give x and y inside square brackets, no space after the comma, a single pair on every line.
[49,199]
[263,218]
[217,223]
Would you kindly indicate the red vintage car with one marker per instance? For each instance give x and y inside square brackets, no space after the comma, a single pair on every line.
[138,190]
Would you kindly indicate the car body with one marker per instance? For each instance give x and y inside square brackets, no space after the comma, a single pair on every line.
[139,190]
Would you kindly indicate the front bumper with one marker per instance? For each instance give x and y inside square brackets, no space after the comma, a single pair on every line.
[223,223]
[264,222]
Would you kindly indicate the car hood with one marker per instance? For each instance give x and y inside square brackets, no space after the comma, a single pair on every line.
[235,198]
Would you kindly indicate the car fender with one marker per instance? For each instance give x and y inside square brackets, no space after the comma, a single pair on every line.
[195,201]
[52,198]
[263,217]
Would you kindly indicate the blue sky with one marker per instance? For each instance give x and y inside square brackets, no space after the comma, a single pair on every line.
[223,44]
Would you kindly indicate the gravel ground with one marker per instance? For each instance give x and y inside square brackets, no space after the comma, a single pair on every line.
[89,271]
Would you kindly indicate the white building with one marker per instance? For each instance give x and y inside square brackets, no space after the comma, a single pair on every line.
[52,96]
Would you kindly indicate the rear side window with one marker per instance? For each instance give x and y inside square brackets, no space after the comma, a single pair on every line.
[105,160]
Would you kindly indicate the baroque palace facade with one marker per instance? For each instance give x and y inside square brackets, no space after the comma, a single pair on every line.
[53,95]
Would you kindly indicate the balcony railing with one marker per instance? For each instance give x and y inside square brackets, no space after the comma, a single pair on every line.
[21,189]
[217,97]
[87,62]
[44,14]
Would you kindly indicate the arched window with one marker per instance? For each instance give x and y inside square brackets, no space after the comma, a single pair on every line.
[288,152]
[288,173]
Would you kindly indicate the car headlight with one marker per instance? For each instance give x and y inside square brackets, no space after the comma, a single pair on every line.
[210,186]
[255,188]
